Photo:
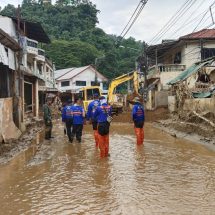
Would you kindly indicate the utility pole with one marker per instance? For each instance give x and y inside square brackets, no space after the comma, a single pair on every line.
[143,67]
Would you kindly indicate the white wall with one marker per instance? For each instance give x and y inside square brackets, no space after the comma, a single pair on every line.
[88,75]
[7,25]
[165,77]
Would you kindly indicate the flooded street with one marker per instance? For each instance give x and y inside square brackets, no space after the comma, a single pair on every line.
[166,176]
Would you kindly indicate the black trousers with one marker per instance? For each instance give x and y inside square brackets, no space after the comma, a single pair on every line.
[48,129]
[68,128]
[138,124]
[103,128]
[95,125]
[77,131]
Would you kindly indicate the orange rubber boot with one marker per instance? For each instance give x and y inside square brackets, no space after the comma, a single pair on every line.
[102,145]
[106,145]
[96,138]
[139,136]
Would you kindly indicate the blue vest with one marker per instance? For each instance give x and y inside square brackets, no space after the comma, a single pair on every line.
[67,112]
[91,110]
[102,112]
[77,112]
[138,112]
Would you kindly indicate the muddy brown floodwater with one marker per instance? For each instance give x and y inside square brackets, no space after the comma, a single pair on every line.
[166,176]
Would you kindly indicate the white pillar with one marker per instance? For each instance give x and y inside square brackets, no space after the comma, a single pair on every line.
[36,99]
[35,66]
[101,86]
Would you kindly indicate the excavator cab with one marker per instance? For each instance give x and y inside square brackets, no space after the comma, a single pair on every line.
[87,93]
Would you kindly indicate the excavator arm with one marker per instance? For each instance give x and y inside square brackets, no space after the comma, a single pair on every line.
[120,80]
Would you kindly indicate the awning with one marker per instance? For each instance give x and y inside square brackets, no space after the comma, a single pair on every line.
[190,71]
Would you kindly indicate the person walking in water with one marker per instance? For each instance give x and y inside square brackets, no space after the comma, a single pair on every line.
[68,118]
[138,117]
[103,115]
[47,116]
[90,116]
[63,117]
[78,120]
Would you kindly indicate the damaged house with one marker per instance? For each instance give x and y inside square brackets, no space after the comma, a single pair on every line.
[171,58]
[194,89]
[36,70]
[9,95]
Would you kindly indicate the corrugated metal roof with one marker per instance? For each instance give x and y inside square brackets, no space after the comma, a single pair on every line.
[71,72]
[203,34]
[61,72]
[190,71]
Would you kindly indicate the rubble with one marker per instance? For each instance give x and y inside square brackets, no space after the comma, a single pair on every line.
[13,147]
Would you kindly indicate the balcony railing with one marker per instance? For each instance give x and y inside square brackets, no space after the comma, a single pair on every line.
[32,43]
[156,70]
[41,52]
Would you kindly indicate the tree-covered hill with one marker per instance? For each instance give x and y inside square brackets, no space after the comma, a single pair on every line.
[76,41]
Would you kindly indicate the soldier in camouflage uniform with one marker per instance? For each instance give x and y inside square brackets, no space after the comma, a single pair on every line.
[47,119]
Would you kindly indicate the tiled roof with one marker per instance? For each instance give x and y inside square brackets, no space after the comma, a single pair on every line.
[203,34]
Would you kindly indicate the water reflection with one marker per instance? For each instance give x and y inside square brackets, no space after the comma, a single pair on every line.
[165,176]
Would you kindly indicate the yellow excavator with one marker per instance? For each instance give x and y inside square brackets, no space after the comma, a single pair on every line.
[115,100]
[87,92]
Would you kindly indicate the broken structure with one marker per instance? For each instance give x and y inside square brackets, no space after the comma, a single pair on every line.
[170,58]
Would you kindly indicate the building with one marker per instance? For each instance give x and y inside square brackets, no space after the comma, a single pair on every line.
[70,80]
[168,59]
[9,95]
[36,70]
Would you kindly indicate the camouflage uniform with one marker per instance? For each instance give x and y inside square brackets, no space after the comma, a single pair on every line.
[48,121]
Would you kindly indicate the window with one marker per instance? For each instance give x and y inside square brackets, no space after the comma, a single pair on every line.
[207,53]
[65,84]
[91,92]
[80,83]
[95,83]
[177,59]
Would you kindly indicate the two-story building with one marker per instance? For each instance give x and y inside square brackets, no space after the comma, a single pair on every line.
[10,108]
[70,80]
[168,59]
[36,71]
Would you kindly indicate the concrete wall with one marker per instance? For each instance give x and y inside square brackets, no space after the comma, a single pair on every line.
[7,25]
[201,105]
[157,99]
[166,77]
[8,130]
[161,98]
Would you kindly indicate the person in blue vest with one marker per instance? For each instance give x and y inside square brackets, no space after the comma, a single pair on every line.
[90,116]
[78,120]
[103,115]
[68,118]
[63,116]
[138,117]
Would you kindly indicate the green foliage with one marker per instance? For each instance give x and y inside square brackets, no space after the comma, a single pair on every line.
[76,41]
[71,53]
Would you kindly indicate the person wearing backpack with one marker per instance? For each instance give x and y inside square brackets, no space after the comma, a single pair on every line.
[138,118]
[103,115]
[90,116]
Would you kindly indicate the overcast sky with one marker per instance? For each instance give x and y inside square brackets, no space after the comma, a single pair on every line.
[114,15]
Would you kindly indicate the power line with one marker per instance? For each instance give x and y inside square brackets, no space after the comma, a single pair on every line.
[186,23]
[133,18]
[130,18]
[170,20]
[176,20]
